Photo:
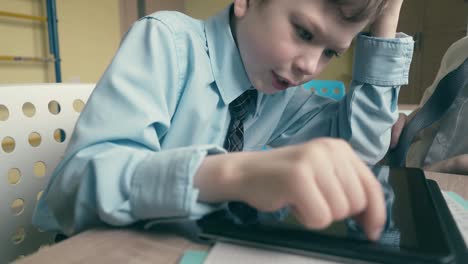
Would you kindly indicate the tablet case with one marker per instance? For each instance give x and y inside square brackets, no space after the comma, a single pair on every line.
[451,230]
[213,230]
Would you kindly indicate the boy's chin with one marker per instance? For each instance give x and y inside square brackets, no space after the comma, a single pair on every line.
[268,89]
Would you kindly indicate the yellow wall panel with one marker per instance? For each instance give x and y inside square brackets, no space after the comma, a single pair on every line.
[339,68]
[203,9]
[19,37]
[88,32]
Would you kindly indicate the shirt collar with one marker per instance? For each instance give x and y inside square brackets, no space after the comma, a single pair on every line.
[226,63]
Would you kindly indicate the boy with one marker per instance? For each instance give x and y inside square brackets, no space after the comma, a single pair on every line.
[145,146]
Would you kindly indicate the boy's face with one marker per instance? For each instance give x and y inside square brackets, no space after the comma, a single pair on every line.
[284,43]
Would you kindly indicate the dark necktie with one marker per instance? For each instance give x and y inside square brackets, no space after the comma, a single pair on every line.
[437,105]
[239,108]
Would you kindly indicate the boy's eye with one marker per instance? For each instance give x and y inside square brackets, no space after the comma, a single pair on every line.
[331,53]
[303,33]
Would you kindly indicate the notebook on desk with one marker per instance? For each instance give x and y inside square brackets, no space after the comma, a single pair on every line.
[420,228]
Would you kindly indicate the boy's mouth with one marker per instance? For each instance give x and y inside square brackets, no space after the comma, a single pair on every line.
[281,83]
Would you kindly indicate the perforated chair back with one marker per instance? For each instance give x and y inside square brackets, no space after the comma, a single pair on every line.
[36,123]
[328,88]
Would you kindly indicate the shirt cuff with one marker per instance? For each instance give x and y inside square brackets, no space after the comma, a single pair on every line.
[383,61]
[162,186]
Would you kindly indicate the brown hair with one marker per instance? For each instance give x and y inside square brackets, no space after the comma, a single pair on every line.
[361,10]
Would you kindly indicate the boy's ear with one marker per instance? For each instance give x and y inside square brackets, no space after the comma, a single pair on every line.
[240,7]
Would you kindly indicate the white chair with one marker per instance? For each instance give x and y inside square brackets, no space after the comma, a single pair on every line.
[36,123]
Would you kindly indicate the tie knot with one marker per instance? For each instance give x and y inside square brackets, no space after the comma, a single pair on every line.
[242,104]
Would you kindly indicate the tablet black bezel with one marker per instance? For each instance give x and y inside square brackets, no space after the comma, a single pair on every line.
[313,244]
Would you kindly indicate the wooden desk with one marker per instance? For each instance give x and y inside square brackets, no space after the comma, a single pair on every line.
[407,108]
[137,246]
[450,182]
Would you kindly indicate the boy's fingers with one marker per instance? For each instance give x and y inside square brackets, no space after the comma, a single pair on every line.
[456,165]
[333,193]
[352,186]
[373,218]
[311,208]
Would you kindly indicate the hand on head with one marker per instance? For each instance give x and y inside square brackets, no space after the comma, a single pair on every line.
[455,165]
[386,23]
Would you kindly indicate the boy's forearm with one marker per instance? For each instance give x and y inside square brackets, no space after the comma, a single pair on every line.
[385,25]
[218,178]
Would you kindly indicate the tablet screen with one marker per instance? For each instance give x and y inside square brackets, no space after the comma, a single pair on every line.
[412,229]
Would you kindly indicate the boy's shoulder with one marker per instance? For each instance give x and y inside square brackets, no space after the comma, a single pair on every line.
[179,23]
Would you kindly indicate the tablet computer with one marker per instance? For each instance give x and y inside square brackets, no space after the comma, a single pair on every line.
[419,228]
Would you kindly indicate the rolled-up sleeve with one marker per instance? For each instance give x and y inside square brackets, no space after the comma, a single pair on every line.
[175,195]
[376,58]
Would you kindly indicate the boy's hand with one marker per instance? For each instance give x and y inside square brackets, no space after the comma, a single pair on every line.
[322,181]
[397,129]
[386,24]
[456,165]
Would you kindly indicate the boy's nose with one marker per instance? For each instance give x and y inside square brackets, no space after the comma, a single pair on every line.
[307,64]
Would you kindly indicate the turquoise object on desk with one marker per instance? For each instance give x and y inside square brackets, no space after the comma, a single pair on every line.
[459,199]
[328,88]
[193,257]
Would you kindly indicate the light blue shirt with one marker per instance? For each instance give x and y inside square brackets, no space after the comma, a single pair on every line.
[162,106]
